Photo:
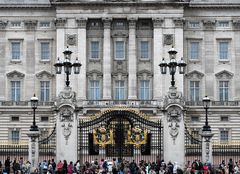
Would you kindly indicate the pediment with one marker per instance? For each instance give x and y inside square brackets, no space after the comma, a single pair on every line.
[41,74]
[224,75]
[16,74]
[120,73]
[142,72]
[92,72]
[194,74]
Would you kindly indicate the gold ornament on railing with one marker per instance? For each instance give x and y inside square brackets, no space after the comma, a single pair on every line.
[137,136]
[102,136]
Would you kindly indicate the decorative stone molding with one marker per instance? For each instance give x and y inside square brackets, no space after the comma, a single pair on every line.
[107,23]
[94,72]
[43,73]
[179,22]
[157,22]
[67,96]
[173,97]
[30,24]
[236,23]
[66,114]
[15,73]
[71,39]
[60,22]
[168,39]
[67,130]
[132,23]
[224,75]
[121,33]
[194,74]
[81,23]
[147,72]
[174,116]
[209,24]
[3,24]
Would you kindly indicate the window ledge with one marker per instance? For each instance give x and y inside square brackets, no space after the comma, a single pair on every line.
[144,60]
[224,61]
[15,61]
[94,60]
[44,61]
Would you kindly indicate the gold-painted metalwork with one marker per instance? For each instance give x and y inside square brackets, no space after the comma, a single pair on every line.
[102,136]
[137,136]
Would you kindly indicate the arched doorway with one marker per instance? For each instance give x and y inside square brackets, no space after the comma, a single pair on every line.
[120,133]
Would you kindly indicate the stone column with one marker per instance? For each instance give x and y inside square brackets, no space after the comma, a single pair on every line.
[157,58]
[82,57]
[66,125]
[207,146]
[33,149]
[174,144]
[132,61]
[107,79]
[179,47]
[60,47]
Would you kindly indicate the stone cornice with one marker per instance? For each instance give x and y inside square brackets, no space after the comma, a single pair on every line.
[81,22]
[60,22]
[3,24]
[26,6]
[15,73]
[213,5]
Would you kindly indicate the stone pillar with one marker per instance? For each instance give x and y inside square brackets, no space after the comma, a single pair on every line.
[179,47]
[173,123]
[82,57]
[132,61]
[207,146]
[66,125]
[60,47]
[157,58]
[33,149]
[107,78]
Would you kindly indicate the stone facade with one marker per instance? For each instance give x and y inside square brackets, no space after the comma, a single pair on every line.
[160,24]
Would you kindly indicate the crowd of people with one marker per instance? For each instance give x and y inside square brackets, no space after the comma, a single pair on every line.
[118,166]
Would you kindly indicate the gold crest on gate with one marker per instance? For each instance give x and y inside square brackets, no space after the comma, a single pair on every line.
[137,136]
[102,136]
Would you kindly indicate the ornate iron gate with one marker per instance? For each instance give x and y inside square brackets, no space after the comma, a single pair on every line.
[120,134]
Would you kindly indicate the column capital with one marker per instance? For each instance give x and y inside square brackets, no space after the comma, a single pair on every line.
[157,22]
[107,23]
[132,23]
[209,24]
[60,22]
[3,24]
[81,22]
[178,22]
[30,24]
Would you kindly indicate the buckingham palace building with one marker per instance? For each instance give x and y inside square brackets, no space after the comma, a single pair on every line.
[119,45]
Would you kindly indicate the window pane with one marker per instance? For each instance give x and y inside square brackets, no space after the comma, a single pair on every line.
[119,50]
[223,90]
[94,91]
[194,90]
[45,90]
[16,50]
[45,50]
[119,90]
[145,90]
[194,50]
[15,135]
[223,50]
[224,135]
[94,49]
[15,90]
[144,49]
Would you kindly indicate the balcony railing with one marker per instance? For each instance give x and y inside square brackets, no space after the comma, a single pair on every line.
[24,103]
[213,103]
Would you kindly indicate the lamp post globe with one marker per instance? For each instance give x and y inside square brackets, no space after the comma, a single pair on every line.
[34,104]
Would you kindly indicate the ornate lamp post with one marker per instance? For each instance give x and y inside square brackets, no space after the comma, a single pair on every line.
[206,133]
[34,103]
[172,65]
[67,66]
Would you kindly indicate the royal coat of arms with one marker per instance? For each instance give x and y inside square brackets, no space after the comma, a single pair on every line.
[102,136]
[137,136]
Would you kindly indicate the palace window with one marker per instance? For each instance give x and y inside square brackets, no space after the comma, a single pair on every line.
[144,49]
[15,90]
[45,50]
[94,90]
[119,50]
[44,24]
[223,90]
[223,50]
[16,50]
[144,89]
[45,90]
[119,90]
[15,135]
[224,135]
[95,49]
[194,24]
[194,90]
[194,50]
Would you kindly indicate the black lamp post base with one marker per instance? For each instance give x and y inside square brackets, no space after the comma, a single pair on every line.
[34,128]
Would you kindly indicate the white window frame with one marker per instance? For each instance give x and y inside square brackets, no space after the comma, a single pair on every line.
[124,49]
[149,53]
[42,52]
[223,24]
[224,88]
[44,24]
[14,139]
[44,90]
[194,88]
[189,47]
[39,51]
[97,51]
[14,96]
[146,89]
[227,131]
[194,24]
[118,90]
[227,52]
[94,90]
